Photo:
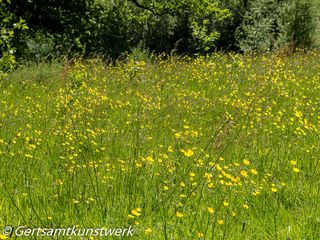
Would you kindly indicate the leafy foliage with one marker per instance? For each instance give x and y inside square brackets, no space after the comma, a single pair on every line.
[9,28]
[302,23]
[189,24]
[113,27]
[273,24]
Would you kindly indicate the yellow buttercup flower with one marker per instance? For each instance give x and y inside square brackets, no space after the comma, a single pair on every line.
[179,214]
[148,231]
[3,237]
[188,152]
[136,212]
[296,170]
[293,162]
[245,206]
[244,173]
[253,171]
[220,222]
[200,234]
[273,189]
[210,210]
[246,162]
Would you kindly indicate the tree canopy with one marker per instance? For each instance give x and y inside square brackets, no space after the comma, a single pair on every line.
[37,29]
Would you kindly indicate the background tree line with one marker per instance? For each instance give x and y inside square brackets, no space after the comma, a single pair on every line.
[39,29]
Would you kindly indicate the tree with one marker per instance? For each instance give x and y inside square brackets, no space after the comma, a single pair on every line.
[274,24]
[192,23]
[70,26]
[10,27]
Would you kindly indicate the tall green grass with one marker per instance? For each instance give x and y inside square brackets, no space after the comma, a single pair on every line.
[224,147]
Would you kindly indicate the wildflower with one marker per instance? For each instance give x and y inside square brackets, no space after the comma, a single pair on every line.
[246,162]
[136,212]
[210,210]
[182,184]
[296,170]
[293,162]
[177,135]
[148,231]
[220,222]
[200,234]
[245,206]
[187,153]
[253,171]
[179,214]
[3,237]
[274,189]
[150,159]
[138,164]
[298,114]
[229,184]
[244,173]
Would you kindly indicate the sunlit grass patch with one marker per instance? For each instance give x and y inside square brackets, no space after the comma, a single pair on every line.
[224,147]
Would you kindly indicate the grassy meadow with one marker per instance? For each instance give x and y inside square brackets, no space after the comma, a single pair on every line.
[223,147]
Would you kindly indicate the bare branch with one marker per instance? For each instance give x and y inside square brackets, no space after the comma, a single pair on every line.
[143,7]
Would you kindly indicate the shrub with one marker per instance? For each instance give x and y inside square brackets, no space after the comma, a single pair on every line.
[9,29]
[273,24]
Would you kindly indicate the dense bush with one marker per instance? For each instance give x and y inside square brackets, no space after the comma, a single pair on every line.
[273,24]
[10,28]
[189,26]
[74,26]
[113,27]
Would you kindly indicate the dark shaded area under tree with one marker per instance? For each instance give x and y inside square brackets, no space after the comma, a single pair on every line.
[112,27]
